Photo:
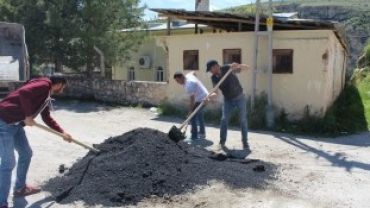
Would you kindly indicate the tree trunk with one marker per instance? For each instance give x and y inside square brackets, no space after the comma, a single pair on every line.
[58,65]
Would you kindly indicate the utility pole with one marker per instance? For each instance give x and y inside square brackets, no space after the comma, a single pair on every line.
[270,117]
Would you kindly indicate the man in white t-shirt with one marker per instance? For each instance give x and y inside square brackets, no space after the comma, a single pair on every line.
[197,93]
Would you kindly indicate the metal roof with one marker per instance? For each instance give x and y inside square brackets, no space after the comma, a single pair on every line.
[237,22]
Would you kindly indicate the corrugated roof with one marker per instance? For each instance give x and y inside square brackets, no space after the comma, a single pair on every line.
[163,26]
[232,22]
[286,15]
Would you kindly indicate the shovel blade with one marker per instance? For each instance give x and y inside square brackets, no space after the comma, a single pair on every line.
[175,134]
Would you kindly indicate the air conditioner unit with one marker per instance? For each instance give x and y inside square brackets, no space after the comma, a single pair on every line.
[144,62]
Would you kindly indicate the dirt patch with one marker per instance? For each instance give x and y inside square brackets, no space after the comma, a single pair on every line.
[144,163]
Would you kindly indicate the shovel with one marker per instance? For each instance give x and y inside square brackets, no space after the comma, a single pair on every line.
[175,133]
[61,135]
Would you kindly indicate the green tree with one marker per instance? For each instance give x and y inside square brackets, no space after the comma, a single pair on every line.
[65,32]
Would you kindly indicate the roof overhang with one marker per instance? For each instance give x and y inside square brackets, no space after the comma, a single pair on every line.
[246,22]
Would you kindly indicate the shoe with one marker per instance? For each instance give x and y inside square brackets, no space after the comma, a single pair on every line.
[220,147]
[190,140]
[27,190]
[3,206]
[202,136]
[246,147]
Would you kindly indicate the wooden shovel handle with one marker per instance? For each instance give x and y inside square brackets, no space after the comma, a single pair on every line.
[202,103]
[61,135]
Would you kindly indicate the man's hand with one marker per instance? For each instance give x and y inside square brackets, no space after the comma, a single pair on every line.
[243,67]
[209,98]
[67,137]
[29,121]
[206,100]
[234,66]
[239,67]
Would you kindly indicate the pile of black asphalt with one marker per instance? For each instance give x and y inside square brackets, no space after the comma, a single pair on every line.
[145,162]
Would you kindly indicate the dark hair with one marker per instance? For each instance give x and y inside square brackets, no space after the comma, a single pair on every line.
[177,74]
[210,64]
[57,78]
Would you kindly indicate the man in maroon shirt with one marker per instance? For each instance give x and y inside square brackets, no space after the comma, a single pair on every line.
[18,109]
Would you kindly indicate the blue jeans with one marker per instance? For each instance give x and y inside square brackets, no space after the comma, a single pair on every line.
[13,137]
[240,103]
[197,118]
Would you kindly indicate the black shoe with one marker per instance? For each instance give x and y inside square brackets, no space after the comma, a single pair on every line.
[246,147]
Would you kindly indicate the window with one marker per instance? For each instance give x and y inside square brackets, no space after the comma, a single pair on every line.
[232,55]
[159,74]
[191,60]
[282,62]
[131,74]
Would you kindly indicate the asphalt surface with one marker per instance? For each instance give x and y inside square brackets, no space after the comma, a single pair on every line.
[310,172]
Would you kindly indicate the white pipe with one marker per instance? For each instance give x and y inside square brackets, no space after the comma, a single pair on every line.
[102,60]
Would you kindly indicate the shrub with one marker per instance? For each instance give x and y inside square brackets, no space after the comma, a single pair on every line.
[257,114]
[367,55]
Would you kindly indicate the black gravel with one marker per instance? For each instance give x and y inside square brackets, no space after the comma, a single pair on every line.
[145,162]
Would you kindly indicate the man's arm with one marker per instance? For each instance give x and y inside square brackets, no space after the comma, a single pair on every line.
[191,106]
[239,67]
[192,73]
[51,122]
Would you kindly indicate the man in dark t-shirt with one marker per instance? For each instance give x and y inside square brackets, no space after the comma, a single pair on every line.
[233,98]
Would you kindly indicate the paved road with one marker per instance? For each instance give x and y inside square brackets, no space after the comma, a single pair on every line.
[312,172]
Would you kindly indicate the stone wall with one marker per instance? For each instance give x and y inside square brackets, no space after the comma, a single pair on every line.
[8,86]
[116,91]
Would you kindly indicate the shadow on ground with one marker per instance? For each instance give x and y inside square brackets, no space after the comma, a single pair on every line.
[337,158]
[79,106]
[21,202]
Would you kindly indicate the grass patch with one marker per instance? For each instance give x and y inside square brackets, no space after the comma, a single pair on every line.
[363,87]
[347,115]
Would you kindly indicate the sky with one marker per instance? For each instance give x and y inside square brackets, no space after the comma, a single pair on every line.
[188,5]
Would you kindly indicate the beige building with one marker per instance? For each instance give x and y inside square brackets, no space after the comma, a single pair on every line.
[309,58]
[150,62]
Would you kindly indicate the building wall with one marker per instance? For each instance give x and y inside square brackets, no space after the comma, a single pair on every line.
[155,47]
[314,82]
[340,67]
[311,82]
[334,73]
[158,58]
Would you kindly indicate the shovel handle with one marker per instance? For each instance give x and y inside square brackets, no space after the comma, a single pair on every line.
[202,103]
[61,135]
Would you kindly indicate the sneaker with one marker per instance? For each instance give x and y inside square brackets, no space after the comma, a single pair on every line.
[3,206]
[27,190]
[202,136]
[220,147]
[190,140]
